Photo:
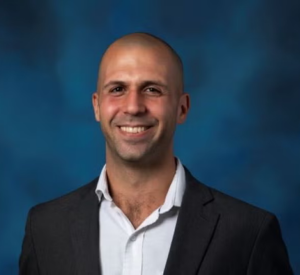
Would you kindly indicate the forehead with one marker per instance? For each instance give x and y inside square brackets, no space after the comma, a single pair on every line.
[136,62]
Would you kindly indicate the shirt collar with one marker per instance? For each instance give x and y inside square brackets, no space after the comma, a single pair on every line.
[176,189]
[102,187]
[173,197]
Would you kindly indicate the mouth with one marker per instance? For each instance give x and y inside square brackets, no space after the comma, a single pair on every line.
[134,129]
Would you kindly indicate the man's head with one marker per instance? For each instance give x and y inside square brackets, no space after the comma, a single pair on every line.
[140,98]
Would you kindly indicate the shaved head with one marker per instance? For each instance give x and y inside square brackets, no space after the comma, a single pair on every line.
[152,44]
[140,99]
[149,40]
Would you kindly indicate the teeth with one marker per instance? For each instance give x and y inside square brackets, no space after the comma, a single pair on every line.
[133,130]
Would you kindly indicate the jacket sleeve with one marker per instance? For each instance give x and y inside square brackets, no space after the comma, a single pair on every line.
[269,255]
[28,262]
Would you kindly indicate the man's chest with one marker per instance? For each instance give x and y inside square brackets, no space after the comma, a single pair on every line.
[129,251]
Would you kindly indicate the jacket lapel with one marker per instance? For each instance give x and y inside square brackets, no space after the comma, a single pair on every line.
[193,233]
[194,230]
[85,233]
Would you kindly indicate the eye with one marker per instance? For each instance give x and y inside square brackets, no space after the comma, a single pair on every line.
[152,90]
[118,89]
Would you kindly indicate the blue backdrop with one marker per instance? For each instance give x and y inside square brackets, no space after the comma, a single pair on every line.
[242,69]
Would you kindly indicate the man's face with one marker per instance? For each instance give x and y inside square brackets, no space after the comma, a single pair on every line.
[139,103]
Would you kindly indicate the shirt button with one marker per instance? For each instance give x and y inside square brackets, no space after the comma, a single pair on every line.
[133,238]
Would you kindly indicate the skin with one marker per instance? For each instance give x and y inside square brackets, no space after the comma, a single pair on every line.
[139,84]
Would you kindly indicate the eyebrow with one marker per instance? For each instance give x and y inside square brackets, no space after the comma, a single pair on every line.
[142,84]
[113,83]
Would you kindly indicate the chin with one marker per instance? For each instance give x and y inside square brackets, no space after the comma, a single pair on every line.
[134,157]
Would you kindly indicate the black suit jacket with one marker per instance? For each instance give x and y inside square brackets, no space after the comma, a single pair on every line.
[215,235]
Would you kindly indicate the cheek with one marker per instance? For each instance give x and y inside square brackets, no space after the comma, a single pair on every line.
[107,109]
[164,110]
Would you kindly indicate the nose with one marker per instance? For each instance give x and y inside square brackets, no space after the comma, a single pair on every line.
[134,103]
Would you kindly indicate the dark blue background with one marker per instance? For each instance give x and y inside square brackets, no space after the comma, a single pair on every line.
[242,69]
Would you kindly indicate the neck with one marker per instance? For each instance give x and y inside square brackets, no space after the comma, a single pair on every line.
[130,178]
[142,187]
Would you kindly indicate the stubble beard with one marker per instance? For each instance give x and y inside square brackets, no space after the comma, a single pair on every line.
[150,153]
[131,152]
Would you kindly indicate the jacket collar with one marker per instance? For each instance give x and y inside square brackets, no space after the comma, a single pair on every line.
[193,233]
[85,232]
[194,229]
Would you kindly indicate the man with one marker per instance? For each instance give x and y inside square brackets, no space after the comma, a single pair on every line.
[146,214]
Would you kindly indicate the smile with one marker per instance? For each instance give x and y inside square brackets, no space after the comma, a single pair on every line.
[134,130]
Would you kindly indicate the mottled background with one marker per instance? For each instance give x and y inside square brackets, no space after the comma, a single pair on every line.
[242,69]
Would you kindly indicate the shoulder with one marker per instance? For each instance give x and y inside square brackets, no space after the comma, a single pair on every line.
[237,219]
[231,210]
[227,204]
[65,203]
[240,216]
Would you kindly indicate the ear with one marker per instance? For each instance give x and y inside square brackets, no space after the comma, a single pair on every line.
[95,102]
[183,108]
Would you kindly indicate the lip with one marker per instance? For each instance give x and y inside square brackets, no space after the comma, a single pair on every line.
[134,136]
[134,125]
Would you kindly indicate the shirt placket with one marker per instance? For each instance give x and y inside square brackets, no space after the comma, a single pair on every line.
[133,254]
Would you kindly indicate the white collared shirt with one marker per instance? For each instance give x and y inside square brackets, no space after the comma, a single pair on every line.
[125,250]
